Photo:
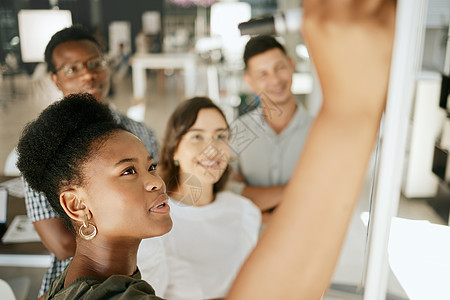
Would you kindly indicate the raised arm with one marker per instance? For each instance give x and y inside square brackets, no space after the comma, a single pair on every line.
[350,43]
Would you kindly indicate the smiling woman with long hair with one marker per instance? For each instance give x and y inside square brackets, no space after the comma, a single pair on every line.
[214,230]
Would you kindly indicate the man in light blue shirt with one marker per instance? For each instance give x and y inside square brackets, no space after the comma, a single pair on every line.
[268,140]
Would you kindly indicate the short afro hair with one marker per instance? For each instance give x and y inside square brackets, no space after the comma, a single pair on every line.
[260,44]
[53,148]
[73,33]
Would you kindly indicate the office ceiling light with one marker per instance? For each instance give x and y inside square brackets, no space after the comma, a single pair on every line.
[225,17]
[36,27]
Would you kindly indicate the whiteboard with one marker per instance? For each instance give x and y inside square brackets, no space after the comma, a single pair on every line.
[406,62]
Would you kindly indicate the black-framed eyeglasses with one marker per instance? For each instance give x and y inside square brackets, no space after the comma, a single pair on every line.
[95,64]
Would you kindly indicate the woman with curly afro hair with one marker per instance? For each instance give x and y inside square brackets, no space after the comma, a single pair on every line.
[102,181]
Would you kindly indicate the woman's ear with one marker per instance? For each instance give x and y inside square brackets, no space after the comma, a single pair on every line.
[72,204]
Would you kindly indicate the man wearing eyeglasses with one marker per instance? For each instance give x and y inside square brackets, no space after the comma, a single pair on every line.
[89,76]
[76,64]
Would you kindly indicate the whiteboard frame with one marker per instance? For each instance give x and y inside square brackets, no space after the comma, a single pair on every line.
[406,63]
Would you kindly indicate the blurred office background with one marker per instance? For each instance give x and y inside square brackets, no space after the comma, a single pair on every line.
[164,51]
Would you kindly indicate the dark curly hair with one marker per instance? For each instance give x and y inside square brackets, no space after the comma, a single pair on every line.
[181,120]
[53,148]
[260,44]
[73,33]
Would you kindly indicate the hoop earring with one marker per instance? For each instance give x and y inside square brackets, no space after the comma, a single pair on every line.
[86,225]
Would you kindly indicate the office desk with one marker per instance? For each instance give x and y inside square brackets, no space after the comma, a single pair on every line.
[21,254]
[141,62]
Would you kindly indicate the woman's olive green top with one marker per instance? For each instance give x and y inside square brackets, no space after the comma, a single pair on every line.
[117,287]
